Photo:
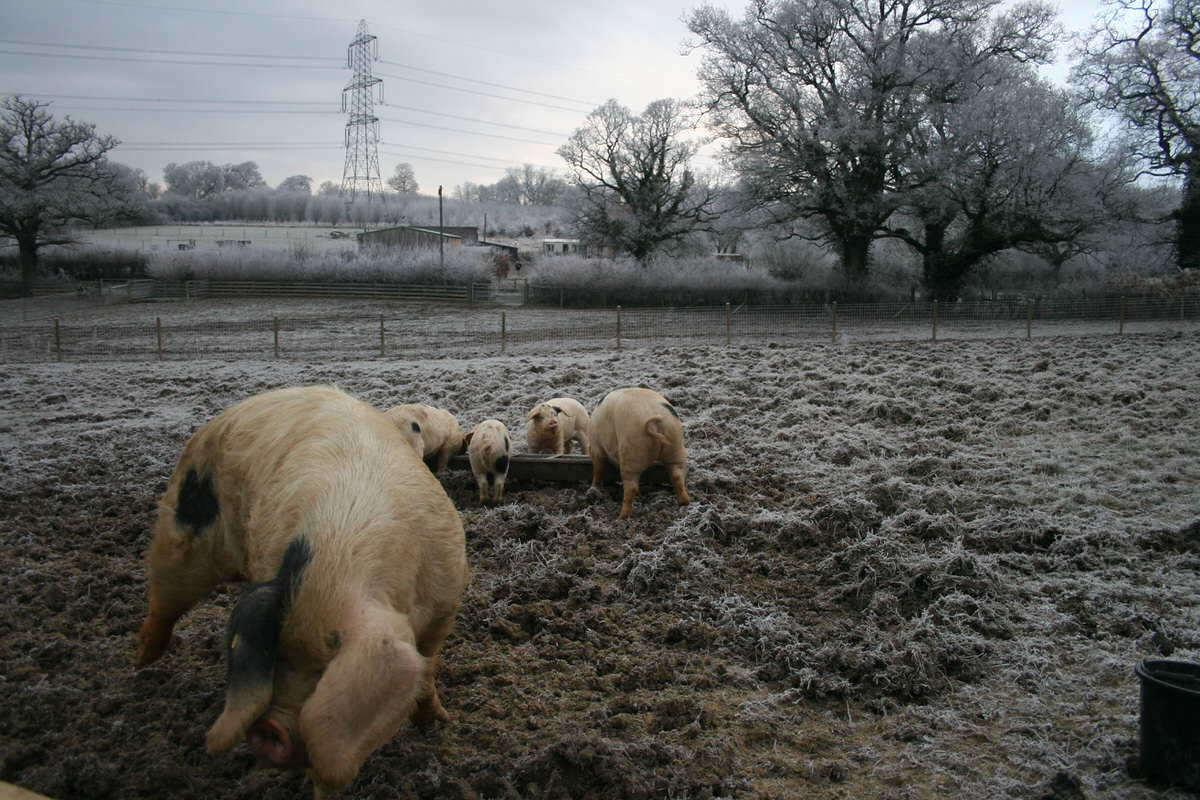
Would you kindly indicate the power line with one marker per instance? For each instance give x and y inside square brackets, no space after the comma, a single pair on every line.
[420,158]
[173,52]
[506,161]
[469,133]
[480,94]
[478,120]
[226,111]
[456,43]
[474,119]
[172,100]
[167,61]
[487,83]
[260,57]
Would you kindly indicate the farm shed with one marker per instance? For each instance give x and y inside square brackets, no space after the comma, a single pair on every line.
[576,247]
[408,236]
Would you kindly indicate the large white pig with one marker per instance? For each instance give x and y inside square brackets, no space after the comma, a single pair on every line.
[555,424]
[489,449]
[440,432]
[633,428]
[357,564]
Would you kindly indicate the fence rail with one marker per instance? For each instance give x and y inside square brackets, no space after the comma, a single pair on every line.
[474,331]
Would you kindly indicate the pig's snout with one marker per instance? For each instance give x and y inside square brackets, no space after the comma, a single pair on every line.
[552,424]
[268,739]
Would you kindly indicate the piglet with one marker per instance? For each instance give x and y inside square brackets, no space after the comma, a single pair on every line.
[489,449]
[555,424]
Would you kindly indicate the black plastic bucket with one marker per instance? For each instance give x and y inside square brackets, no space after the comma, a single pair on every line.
[1169,730]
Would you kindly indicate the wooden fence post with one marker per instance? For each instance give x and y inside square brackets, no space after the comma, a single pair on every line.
[1028,320]
[382,344]
[833,317]
[618,329]
[727,324]
[275,330]
[1121,329]
[158,336]
[57,342]
[503,331]
[935,319]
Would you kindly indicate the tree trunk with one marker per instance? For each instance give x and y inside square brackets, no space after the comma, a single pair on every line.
[856,255]
[27,251]
[1187,221]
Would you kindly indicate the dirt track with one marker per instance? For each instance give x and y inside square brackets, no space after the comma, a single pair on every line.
[909,570]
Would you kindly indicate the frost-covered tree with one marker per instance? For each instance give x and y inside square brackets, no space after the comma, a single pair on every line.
[1142,62]
[636,187]
[242,176]
[817,100]
[403,180]
[53,173]
[296,184]
[1009,164]
[194,179]
[203,179]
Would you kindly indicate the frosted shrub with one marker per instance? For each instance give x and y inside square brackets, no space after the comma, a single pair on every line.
[686,281]
[372,266]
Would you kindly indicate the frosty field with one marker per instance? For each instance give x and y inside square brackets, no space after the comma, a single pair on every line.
[909,570]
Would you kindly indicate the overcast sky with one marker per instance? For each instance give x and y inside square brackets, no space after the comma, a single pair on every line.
[470,87]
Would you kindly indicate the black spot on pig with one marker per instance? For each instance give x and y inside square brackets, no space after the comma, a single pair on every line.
[416,428]
[196,506]
[502,465]
[671,408]
[252,636]
[557,410]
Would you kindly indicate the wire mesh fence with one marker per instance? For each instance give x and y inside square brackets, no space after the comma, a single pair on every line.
[416,331]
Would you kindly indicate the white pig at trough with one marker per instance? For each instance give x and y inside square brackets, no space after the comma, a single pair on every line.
[555,424]
[356,562]
[633,428]
[489,450]
[439,431]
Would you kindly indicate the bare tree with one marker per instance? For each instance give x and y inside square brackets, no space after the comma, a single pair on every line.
[1142,62]
[637,189]
[52,173]
[818,98]
[403,180]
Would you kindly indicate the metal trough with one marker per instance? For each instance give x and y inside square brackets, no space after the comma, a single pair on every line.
[567,468]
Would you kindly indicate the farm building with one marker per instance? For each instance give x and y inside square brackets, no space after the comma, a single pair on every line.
[408,236]
[576,247]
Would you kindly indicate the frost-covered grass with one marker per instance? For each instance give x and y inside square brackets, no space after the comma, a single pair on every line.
[909,570]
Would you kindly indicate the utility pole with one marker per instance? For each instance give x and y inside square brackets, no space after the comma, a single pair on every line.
[441,233]
[361,173]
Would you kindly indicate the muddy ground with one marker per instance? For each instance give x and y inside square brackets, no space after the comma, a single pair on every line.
[909,570]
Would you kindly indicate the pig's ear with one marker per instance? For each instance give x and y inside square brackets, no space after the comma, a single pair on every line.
[367,693]
[467,439]
[531,413]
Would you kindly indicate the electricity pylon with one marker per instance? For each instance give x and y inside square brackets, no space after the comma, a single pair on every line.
[361,173]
